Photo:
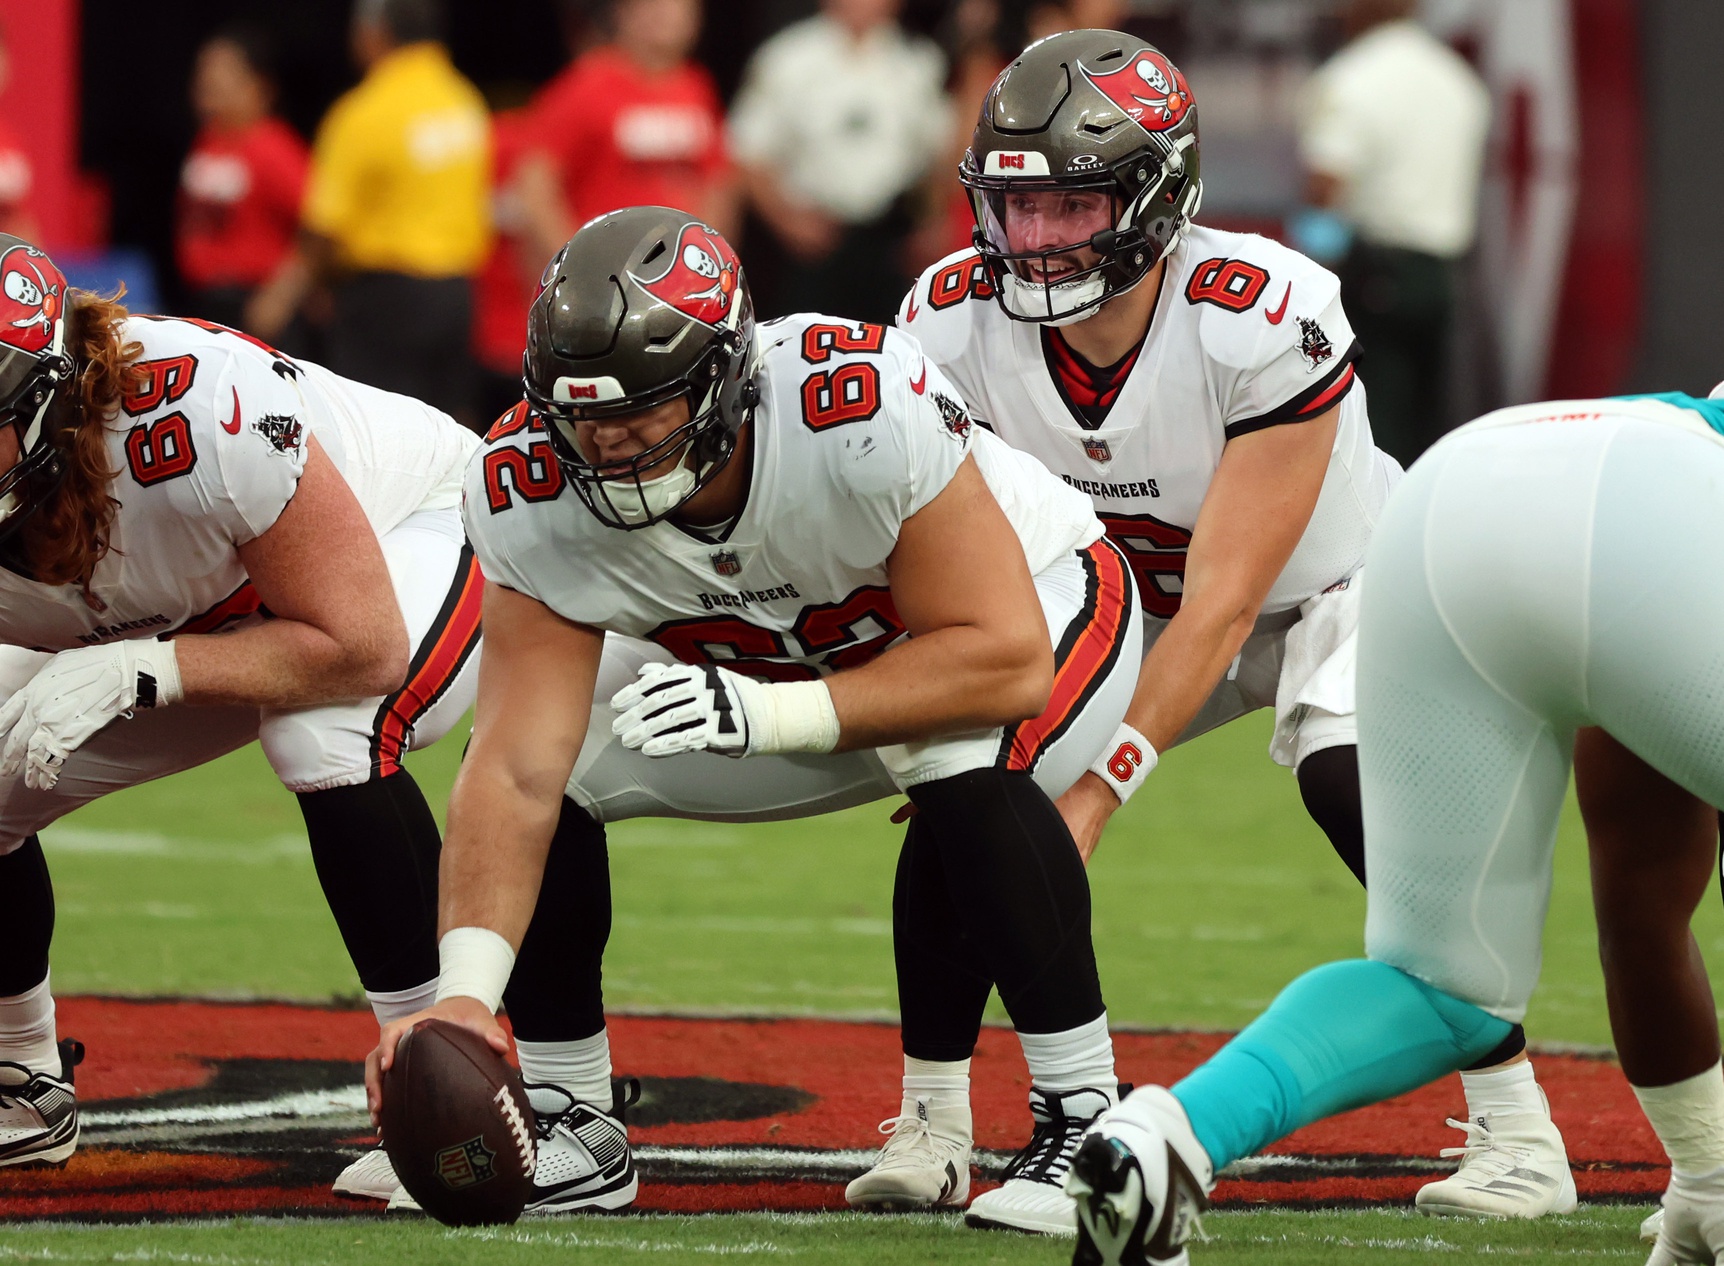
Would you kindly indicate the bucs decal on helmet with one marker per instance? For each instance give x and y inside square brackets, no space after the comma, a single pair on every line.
[32,295]
[1149,88]
[702,280]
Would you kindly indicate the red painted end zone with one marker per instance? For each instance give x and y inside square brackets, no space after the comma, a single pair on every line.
[160,1075]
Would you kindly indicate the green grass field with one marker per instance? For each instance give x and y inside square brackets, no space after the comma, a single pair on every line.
[1212,890]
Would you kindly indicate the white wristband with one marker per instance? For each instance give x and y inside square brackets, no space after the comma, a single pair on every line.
[473,963]
[1125,762]
[794,716]
[160,661]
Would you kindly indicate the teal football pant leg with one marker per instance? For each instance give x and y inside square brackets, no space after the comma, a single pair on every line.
[1341,1036]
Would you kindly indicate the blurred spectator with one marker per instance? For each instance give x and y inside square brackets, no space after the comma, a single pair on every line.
[397,209]
[632,122]
[508,282]
[1392,132]
[16,176]
[980,39]
[1075,15]
[241,185]
[838,122]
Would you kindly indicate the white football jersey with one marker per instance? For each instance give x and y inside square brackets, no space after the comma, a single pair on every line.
[855,432]
[1247,334]
[208,451]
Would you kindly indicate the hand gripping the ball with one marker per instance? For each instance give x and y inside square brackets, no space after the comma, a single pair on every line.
[74,696]
[674,708]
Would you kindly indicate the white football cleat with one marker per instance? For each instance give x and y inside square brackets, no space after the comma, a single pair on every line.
[584,1161]
[925,1163]
[1513,1166]
[39,1111]
[371,1177]
[1691,1232]
[1139,1182]
[1032,1196]
[1652,1225]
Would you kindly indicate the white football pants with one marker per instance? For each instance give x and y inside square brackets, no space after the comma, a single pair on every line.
[438,585]
[1091,608]
[1527,580]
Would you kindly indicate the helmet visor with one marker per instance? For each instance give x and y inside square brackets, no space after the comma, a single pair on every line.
[643,487]
[1043,230]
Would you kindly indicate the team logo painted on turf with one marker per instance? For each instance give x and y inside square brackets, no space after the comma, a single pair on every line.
[466,1164]
[1097,450]
[1149,88]
[703,279]
[725,562]
[1314,344]
[282,430]
[32,297]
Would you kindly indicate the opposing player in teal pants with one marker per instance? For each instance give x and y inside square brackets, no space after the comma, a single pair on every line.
[1546,590]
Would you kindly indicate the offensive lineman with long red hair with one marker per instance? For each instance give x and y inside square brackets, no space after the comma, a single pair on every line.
[204,542]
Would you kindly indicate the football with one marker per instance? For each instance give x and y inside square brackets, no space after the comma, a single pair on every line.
[458,1127]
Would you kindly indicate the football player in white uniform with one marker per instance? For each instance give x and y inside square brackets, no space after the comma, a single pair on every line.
[203,543]
[1542,594]
[1200,387]
[803,553]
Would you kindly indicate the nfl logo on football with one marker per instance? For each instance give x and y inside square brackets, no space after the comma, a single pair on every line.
[726,563]
[1097,450]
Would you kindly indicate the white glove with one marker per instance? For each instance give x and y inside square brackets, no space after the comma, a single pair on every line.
[675,708]
[74,696]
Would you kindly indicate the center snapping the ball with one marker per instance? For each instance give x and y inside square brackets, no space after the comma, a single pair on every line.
[458,1127]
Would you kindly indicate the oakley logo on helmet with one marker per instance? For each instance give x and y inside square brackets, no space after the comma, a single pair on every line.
[34,295]
[1083,162]
[1149,88]
[702,280]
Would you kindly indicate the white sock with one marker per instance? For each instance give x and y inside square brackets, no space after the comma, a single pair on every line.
[402,1003]
[1688,1117]
[27,1034]
[1503,1092]
[938,1083]
[582,1068]
[1078,1059]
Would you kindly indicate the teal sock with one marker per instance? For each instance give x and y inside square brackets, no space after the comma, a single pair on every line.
[1339,1037]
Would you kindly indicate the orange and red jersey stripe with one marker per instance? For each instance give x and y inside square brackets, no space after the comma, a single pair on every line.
[443,652]
[1088,650]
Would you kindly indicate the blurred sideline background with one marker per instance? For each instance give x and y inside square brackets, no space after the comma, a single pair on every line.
[1598,266]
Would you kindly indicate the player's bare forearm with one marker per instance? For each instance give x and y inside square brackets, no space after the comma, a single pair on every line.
[978,654]
[1187,661]
[946,682]
[536,675]
[499,834]
[337,631]
[1257,508]
[291,664]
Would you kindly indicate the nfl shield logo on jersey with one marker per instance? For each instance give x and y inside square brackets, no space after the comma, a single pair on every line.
[726,563]
[1097,450]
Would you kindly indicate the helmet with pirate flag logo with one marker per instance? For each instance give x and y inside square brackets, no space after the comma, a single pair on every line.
[642,307]
[1093,119]
[35,377]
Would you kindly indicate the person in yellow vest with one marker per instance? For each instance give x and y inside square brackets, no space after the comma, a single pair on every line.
[396,214]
